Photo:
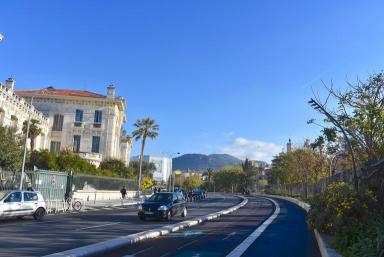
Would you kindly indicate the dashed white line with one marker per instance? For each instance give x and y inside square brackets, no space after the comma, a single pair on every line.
[229,235]
[192,242]
[99,226]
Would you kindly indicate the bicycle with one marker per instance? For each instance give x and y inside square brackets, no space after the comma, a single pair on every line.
[74,203]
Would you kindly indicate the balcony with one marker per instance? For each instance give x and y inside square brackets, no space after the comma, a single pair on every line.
[94,158]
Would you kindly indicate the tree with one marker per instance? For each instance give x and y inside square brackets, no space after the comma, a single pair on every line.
[147,182]
[359,117]
[147,168]
[192,182]
[43,159]
[34,131]
[230,179]
[145,128]
[250,172]
[11,153]
[116,166]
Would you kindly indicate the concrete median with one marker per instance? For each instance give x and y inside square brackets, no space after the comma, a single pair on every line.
[114,244]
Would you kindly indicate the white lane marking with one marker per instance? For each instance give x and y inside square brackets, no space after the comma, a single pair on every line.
[243,246]
[142,251]
[192,242]
[99,226]
[229,235]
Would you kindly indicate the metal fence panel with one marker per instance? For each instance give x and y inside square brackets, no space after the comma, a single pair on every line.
[51,184]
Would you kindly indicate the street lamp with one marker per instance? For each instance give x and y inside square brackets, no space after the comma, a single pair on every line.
[25,146]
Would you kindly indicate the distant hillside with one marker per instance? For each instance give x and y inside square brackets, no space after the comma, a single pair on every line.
[201,162]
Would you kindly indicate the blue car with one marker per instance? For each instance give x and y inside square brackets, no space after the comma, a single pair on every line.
[163,205]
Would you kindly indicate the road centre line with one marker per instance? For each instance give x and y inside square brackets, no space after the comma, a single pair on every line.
[99,226]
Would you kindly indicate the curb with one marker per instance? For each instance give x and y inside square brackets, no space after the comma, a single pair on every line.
[324,250]
[114,244]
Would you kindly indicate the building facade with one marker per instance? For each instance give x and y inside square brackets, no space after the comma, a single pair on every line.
[163,167]
[15,110]
[87,123]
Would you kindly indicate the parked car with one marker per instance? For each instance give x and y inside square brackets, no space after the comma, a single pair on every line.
[198,194]
[163,205]
[22,203]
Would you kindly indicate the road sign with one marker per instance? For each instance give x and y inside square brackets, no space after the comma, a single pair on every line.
[53,179]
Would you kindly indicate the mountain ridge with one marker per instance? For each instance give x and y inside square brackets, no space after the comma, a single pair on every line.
[201,162]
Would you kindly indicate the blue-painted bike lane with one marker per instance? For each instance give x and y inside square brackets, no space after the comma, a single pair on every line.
[288,235]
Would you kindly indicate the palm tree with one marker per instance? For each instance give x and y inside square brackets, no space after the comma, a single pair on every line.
[34,131]
[145,128]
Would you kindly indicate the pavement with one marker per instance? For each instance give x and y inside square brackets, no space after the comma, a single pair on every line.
[57,233]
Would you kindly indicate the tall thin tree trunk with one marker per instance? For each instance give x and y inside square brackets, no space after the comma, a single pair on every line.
[141,163]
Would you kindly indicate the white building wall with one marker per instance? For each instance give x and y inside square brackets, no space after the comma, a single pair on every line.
[14,110]
[163,167]
[113,118]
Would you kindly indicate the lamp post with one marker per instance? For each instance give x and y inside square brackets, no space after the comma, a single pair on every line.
[25,145]
[25,148]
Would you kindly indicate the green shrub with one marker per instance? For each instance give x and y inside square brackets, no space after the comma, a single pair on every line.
[361,239]
[339,207]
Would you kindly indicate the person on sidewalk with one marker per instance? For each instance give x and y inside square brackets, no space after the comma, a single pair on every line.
[123,192]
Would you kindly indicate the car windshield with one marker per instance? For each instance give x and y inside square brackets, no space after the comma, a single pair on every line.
[160,198]
[3,194]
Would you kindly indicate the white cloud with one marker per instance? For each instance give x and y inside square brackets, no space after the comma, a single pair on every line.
[253,149]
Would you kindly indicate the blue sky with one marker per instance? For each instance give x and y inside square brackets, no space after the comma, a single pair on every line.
[218,76]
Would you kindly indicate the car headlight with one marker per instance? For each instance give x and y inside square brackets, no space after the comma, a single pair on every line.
[140,207]
[163,208]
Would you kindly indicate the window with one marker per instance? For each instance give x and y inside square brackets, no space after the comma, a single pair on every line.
[95,144]
[30,197]
[98,119]
[78,118]
[76,143]
[13,198]
[55,147]
[58,122]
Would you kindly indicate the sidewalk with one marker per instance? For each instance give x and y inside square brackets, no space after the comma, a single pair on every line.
[110,203]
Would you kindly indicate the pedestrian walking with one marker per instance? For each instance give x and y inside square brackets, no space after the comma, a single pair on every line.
[123,192]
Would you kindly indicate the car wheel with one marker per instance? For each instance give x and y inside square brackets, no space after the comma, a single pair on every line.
[142,217]
[39,214]
[184,213]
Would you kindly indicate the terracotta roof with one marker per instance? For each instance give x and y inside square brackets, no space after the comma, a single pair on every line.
[59,92]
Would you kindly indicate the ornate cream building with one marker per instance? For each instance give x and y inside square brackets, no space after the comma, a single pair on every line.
[90,124]
[15,110]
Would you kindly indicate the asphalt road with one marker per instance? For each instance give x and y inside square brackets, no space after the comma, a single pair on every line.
[289,235]
[210,239]
[58,233]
